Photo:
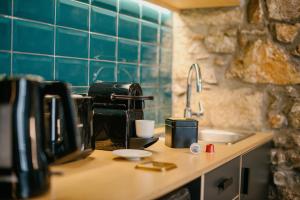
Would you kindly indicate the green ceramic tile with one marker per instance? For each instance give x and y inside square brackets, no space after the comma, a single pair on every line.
[102,71]
[150,14]
[31,64]
[148,91]
[103,21]
[149,75]
[164,114]
[73,71]
[151,91]
[127,51]
[72,14]
[148,54]
[130,7]
[127,73]
[5,59]
[80,90]
[107,4]
[166,18]
[164,76]
[5,7]
[149,32]
[165,96]
[71,43]
[103,47]
[150,114]
[40,10]
[166,37]
[165,59]
[33,37]
[128,27]
[5,32]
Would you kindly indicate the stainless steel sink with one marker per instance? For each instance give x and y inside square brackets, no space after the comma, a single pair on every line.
[221,136]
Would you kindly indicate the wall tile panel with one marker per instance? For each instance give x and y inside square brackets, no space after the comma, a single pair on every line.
[86,41]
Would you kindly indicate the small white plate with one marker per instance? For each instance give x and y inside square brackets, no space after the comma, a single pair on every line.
[132,154]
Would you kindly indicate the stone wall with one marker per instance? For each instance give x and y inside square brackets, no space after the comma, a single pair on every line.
[250,60]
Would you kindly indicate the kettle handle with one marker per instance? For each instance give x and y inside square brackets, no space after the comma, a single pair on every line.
[71,145]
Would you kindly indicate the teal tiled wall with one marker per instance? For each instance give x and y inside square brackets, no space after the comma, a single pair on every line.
[85,41]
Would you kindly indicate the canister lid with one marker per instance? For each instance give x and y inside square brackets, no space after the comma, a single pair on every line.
[181,122]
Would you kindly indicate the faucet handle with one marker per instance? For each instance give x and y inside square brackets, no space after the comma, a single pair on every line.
[200,112]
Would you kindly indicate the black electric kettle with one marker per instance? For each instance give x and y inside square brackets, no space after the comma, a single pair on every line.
[24,154]
[56,119]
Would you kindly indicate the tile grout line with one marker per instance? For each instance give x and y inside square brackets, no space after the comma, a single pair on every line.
[158,43]
[140,44]
[158,55]
[81,30]
[76,58]
[147,86]
[89,43]
[11,38]
[117,42]
[49,24]
[54,42]
[156,103]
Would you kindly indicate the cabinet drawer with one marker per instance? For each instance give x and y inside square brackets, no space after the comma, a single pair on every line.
[223,182]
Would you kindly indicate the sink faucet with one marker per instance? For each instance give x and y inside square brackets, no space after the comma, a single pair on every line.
[188,111]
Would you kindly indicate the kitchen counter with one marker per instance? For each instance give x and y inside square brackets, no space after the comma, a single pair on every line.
[105,176]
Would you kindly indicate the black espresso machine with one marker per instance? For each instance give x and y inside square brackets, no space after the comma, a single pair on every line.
[116,106]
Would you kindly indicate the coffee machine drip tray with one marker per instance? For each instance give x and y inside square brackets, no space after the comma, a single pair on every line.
[134,143]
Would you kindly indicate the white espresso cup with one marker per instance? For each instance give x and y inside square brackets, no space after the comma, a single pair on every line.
[144,128]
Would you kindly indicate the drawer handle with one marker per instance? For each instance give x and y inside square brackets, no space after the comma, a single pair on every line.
[245,180]
[225,183]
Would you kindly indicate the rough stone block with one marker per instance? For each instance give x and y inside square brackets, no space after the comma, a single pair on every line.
[286,33]
[283,139]
[238,108]
[284,10]
[277,120]
[294,116]
[220,44]
[248,35]
[264,62]
[212,16]
[296,52]
[255,12]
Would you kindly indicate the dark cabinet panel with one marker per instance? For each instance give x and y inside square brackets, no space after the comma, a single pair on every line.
[256,173]
[223,182]
[190,191]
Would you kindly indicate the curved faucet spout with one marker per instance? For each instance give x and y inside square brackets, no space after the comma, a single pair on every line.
[196,68]
[188,111]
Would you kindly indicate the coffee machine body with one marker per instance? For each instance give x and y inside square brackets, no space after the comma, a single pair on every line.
[116,107]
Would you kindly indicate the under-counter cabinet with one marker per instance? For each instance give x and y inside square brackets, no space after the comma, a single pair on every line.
[245,177]
[189,191]
[255,176]
[223,182]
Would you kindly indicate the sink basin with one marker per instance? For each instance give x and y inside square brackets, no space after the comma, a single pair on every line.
[221,136]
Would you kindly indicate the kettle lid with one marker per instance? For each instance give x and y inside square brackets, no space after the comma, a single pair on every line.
[29,77]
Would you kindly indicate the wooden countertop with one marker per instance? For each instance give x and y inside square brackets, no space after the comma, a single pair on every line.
[104,176]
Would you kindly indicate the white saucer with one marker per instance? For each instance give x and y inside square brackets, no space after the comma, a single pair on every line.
[132,154]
